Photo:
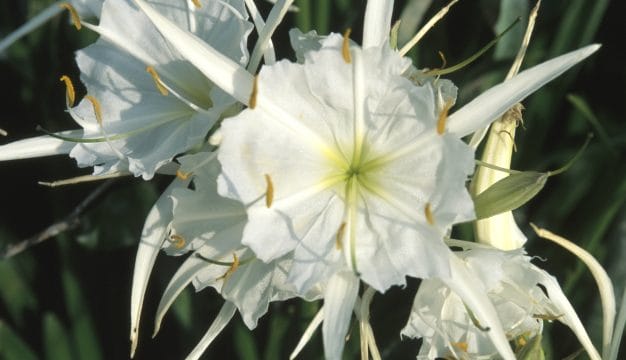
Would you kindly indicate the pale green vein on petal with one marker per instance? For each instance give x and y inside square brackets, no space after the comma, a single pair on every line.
[222,71]
[221,320]
[496,101]
[38,146]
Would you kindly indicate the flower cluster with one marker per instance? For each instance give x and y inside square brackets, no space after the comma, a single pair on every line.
[306,179]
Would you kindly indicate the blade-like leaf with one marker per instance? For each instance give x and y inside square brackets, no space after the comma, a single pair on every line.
[509,193]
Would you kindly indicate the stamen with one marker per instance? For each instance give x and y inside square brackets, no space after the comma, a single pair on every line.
[339,237]
[73,14]
[177,240]
[197,3]
[429,214]
[255,89]
[269,192]
[345,49]
[96,108]
[462,345]
[157,80]
[443,116]
[183,175]
[233,267]
[70,95]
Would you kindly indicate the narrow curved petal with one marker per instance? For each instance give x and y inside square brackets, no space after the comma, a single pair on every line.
[377,23]
[496,101]
[38,146]
[221,320]
[30,26]
[339,298]
[225,73]
[183,276]
[152,238]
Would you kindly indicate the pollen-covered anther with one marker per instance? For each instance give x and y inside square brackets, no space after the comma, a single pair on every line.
[429,214]
[339,237]
[183,175]
[73,14]
[269,191]
[97,109]
[461,345]
[157,80]
[443,117]
[70,95]
[253,94]
[177,240]
[233,267]
[197,3]
[345,49]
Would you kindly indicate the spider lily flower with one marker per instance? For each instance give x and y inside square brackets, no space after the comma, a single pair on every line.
[79,9]
[347,165]
[145,102]
[210,227]
[523,295]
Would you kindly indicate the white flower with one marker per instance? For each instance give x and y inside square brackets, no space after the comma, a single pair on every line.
[357,166]
[523,295]
[146,103]
[210,226]
[131,68]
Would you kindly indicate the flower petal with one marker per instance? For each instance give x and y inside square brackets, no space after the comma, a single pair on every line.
[221,320]
[38,146]
[496,101]
[339,298]
[152,238]
[224,72]
[377,23]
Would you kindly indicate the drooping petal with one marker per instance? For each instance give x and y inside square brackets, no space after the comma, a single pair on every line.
[496,101]
[339,297]
[152,236]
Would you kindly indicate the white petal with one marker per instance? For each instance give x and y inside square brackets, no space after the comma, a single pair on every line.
[339,298]
[263,44]
[152,237]
[377,23]
[225,73]
[38,146]
[496,101]
[569,315]
[308,333]
[221,320]
[183,276]
[474,296]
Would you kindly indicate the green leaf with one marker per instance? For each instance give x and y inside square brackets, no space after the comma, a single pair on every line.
[12,347]
[245,346]
[56,341]
[15,293]
[510,10]
[279,324]
[532,350]
[509,193]
[581,105]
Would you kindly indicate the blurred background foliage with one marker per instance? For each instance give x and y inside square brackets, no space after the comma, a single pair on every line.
[68,297]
